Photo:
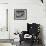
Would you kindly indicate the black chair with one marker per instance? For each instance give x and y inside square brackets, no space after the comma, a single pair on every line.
[32,29]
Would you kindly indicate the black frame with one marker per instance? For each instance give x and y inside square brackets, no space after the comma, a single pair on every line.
[20,11]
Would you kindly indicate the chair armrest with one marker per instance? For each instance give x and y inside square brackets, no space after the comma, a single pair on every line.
[22,35]
[24,32]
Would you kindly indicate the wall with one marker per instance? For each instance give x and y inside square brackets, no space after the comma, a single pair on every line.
[3,1]
[3,21]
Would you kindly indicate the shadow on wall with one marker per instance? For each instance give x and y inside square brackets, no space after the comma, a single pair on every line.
[41,34]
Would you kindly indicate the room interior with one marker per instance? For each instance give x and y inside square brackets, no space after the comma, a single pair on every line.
[16,15]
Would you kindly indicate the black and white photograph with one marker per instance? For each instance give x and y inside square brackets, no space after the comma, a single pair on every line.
[22,22]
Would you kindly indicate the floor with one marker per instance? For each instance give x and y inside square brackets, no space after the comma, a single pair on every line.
[26,44]
[5,44]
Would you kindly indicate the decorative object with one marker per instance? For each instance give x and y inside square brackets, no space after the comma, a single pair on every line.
[20,14]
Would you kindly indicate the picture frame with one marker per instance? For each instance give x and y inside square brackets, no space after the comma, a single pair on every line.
[20,14]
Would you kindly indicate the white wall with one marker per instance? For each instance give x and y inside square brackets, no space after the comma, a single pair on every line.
[3,21]
[3,1]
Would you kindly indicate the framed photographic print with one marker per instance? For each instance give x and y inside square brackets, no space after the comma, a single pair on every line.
[20,14]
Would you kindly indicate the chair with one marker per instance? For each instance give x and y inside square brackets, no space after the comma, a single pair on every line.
[33,30]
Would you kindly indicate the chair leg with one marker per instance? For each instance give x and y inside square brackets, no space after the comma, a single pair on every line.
[20,42]
[32,42]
